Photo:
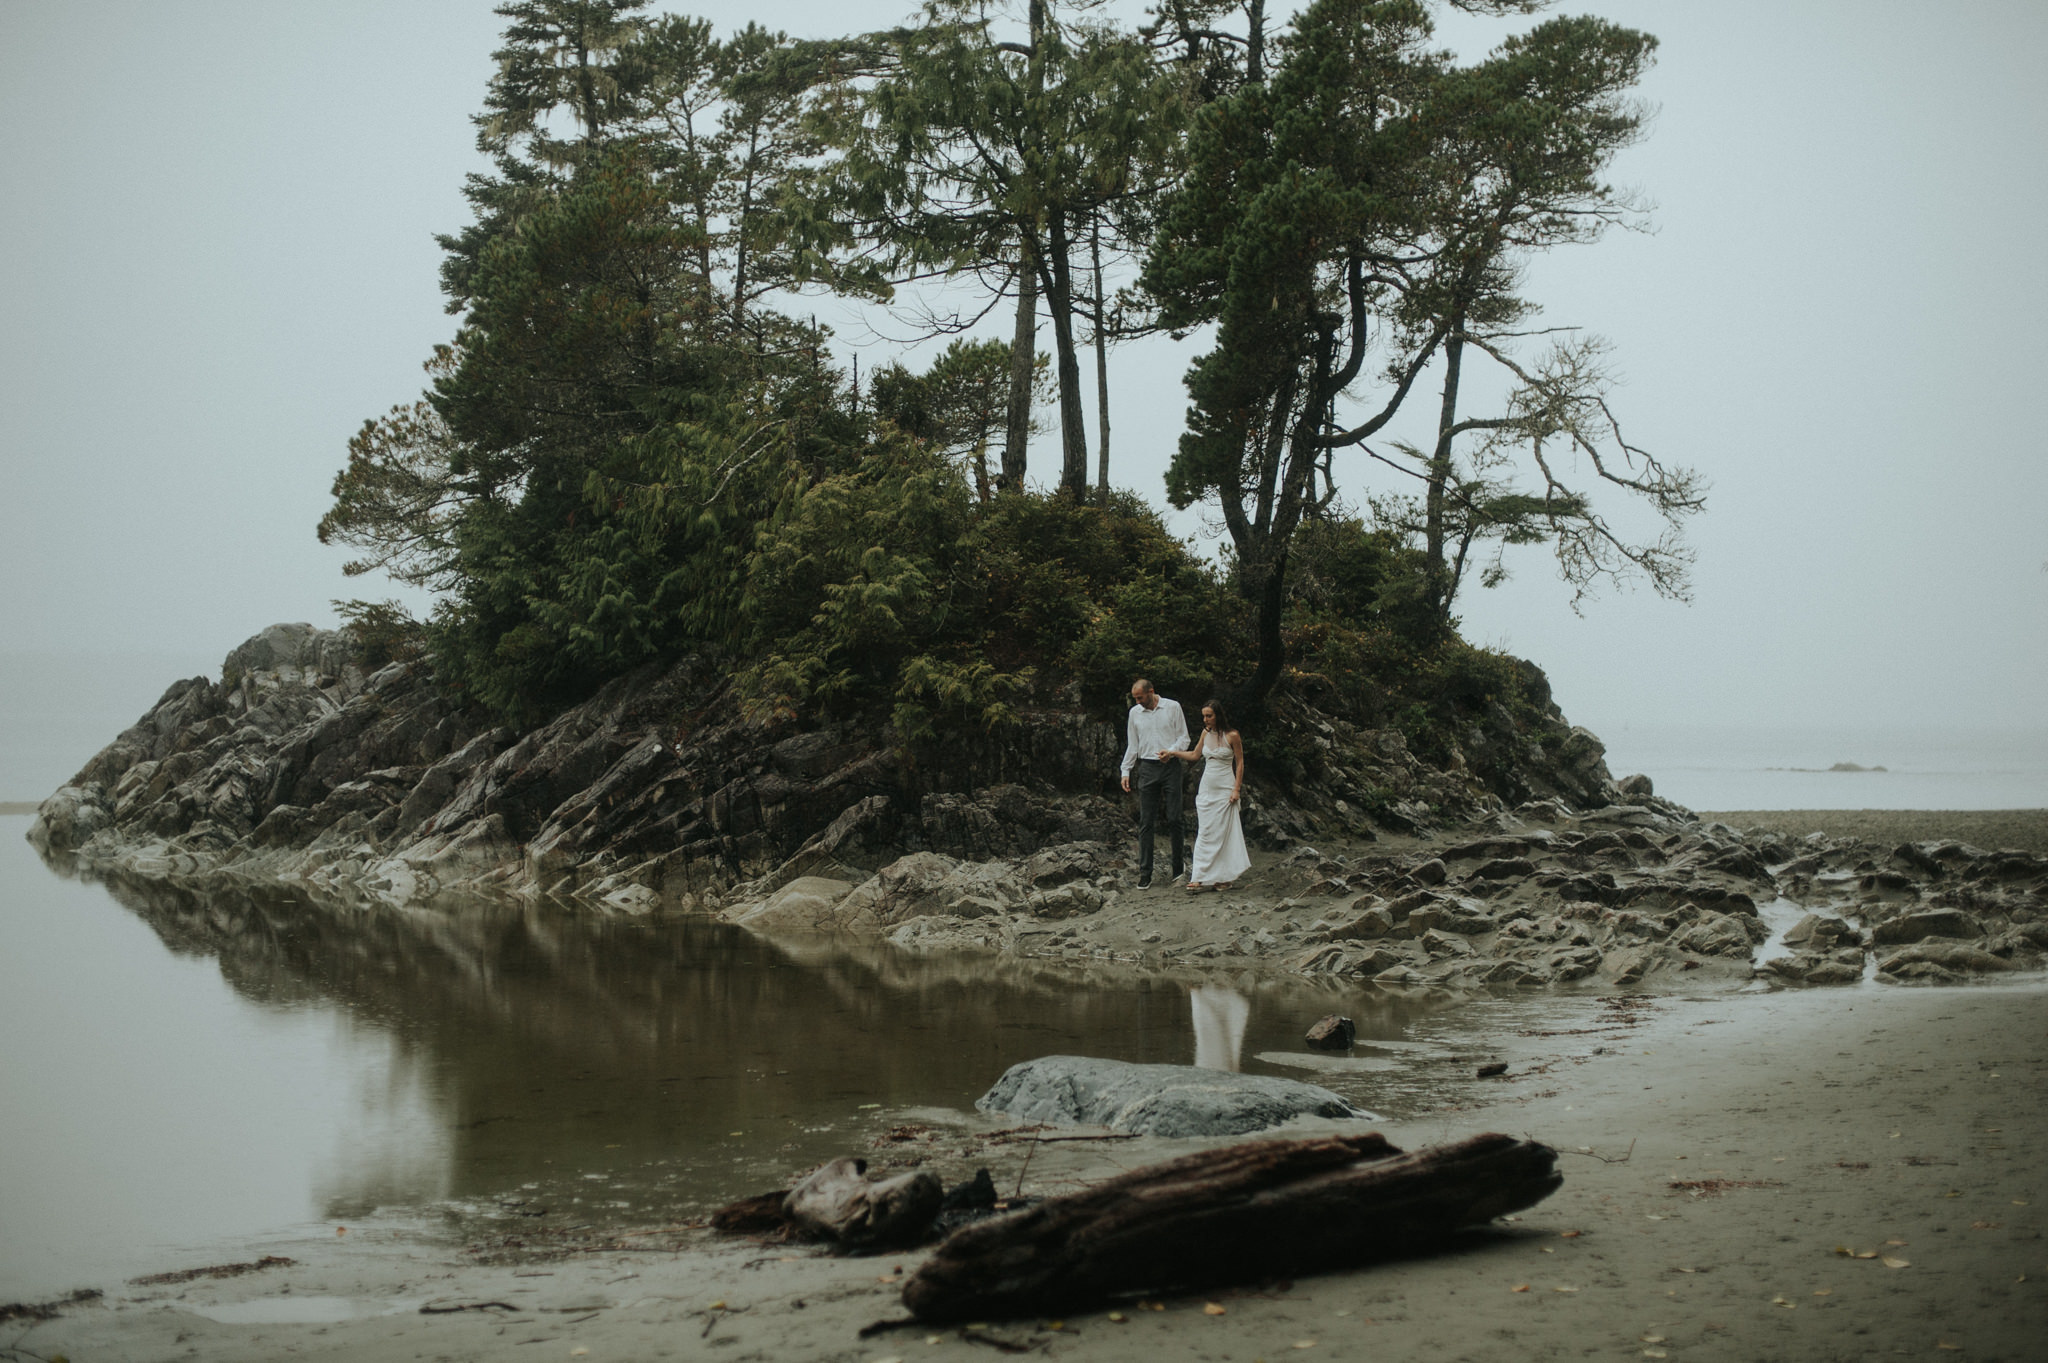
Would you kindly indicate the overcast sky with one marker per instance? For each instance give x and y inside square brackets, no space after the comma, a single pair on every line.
[216,239]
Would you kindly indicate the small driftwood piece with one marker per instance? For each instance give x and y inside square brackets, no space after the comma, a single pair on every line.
[1245,1213]
[1332,1033]
[837,1202]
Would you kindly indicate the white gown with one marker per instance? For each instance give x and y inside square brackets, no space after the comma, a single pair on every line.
[1219,856]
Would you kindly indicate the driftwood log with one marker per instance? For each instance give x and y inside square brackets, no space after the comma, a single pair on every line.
[1245,1213]
[837,1202]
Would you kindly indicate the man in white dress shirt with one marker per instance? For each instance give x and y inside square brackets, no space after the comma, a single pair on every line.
[1156,725]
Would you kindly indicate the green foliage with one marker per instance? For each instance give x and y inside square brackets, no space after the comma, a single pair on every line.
[888,583]
[384,631]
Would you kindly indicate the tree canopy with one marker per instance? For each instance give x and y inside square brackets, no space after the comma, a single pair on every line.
[636,444]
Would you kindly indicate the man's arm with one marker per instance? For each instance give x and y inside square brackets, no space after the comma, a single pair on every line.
[1130,745]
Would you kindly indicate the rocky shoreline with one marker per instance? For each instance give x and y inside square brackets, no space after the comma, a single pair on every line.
[1519,863]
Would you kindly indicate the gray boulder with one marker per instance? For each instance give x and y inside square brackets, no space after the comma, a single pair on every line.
[1155,1100]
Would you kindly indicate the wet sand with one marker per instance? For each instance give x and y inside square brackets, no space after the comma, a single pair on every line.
[1907,1124]
[2024,830]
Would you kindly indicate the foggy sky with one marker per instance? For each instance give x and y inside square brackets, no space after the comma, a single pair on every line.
[216,239]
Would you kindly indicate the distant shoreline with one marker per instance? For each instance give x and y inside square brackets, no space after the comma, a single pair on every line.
[1992,829]
[17,807]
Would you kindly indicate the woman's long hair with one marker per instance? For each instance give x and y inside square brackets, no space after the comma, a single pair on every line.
[1222,723]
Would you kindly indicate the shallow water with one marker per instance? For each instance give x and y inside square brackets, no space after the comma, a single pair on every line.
[185,1075]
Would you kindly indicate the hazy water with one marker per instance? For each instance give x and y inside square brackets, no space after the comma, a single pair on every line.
[1755,767]
[185,1074]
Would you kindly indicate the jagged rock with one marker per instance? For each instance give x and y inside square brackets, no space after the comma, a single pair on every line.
[1635,786]
[1158,1100]
[1915,927]
[1431,872]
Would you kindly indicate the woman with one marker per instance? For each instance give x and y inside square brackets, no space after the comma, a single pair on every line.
[1219,834]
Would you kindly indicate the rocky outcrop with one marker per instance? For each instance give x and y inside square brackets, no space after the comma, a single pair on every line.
[1155,1100]
[660,789]
[663,791]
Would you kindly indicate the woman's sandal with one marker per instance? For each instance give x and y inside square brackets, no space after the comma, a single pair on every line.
[1194,887]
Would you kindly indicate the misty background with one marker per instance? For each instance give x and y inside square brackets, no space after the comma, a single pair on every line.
[217,257]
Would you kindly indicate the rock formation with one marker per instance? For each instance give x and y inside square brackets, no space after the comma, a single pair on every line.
[1520,862]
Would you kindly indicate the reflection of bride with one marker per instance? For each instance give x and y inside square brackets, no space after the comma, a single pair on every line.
[1219,855]
[1219,1025]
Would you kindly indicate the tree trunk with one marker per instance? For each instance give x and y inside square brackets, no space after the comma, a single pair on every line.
[1101,366]
[1059,302]
[1023,352]
[1272,645]
[1246,1213]
[1435,529]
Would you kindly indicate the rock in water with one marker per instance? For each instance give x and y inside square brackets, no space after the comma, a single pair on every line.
[1155,1100]
[1332,1034]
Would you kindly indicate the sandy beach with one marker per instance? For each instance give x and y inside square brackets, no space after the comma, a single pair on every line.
[1820,1174]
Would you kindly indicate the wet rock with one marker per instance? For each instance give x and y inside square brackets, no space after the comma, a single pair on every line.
[1372,922]
[929,884]
[809,904]
[1820,931]
[1633,964]
[1955,957]
[1345,959]
[1504,868]
[1467,917]
[1442,944]
[1715,934]
[1916,927]
[1158,1100]
[1637,785]
[1073,900]
[1431,872]
[1331,1033]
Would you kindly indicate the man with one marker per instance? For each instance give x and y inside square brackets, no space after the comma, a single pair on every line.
[1156,725]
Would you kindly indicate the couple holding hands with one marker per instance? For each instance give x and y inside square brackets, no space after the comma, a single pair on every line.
[1156,743]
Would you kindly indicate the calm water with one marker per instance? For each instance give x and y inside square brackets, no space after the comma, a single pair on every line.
[186,1075]
[1759,766]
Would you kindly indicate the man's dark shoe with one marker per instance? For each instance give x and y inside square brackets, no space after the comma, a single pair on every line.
[1145,883]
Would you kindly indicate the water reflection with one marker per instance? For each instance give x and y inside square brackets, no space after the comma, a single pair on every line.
[607,1067]
[1220,1016]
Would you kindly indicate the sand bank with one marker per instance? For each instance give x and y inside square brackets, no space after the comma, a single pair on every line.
[1763,1134]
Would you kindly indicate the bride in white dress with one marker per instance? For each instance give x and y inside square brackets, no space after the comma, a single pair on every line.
[1219,855]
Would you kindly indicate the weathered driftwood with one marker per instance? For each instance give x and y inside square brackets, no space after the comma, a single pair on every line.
[839,1203]
[1332,1033]
[1244,1213]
